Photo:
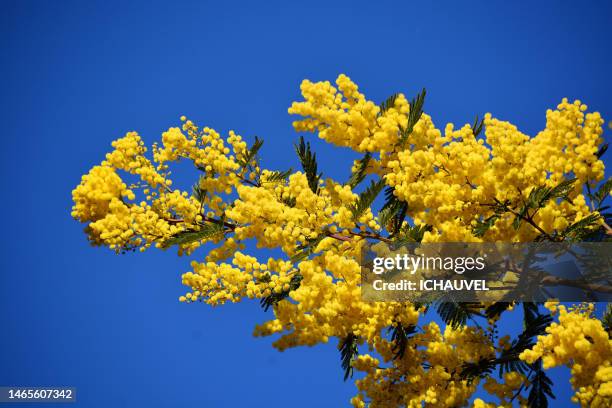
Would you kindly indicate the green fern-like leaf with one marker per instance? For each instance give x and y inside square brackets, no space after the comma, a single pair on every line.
[366,198]
[581,229]
[207,231]
[522,213]
[393,212]
[607,318]
[603,192]
[198,192]
[496,309]
[387,104]
[477,126]
[415,113]
[539,196]
[540,388]
[412,233]
[386,214]
[289,201]
[276,176]
[482,226]
[457,314]
[306,249]
[308,159]
[400,336]
[602,150]
[348,354]
[272,300]
[562,189]
[251,154]
[535,324]
[358,176]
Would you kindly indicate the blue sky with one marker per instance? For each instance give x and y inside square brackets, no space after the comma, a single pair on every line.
[77,75]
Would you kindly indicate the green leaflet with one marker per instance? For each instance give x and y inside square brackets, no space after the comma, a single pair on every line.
[308,159]
[208,230]
[366,198]
[358,176]
[348,353]
[416,111]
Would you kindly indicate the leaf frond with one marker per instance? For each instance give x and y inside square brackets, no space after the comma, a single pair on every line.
[482,226]
[477,126]
[360,174]
[393,212]
[366,198]
[415,113]
[602,150]
[308,159]
[457,314]
[602,193]
[251,154]
[400,336]
[306,249]
[274,298]
[208,230]
[412,233]
[276,176]
[606,319]
[387,104]
[198,192]
[540,388]
[581,229]
[348,354]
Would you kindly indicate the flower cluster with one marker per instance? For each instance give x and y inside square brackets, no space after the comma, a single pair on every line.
[449,180]
[580,342]
[344,117]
